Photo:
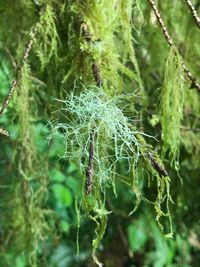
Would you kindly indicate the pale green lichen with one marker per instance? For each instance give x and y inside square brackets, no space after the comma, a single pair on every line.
[116,141]
[93,110]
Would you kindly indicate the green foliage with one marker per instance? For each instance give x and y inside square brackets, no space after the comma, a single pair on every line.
[137,236]
[62,195]
[163,250]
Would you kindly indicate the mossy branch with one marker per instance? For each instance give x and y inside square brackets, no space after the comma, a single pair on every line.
[95,69]
[24,59]
[98,80]
[169,40]
[160,169]
[152,157]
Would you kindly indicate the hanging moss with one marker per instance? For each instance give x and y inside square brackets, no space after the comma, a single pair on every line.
[29,193]
[47,39]
[100,60]
[172,106]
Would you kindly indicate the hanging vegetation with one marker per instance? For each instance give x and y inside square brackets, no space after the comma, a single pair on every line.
[99,120]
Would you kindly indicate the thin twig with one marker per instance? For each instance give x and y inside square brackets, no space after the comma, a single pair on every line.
[36,2]
[19,70]
[150,155]
[96,74]
[156,165]
[4,132]
[194,12]
[169,40]
[90,168]
[10,56]
[25,56]
[194,130]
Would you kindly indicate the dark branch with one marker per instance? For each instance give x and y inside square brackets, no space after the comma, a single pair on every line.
[169,40]
[96,73]
[95,69]
[4,132]
[194,12]
[20,67]
[156,165]
[90,168]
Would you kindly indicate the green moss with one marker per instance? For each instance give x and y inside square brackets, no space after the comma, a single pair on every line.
[124,44]
[171,104]
[47,39]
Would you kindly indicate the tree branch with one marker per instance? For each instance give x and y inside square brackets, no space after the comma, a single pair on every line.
[4,132]
[169,40]
[156,165]
[194,12]
[90,168]
[95,68]
[24,58]
[97,77]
